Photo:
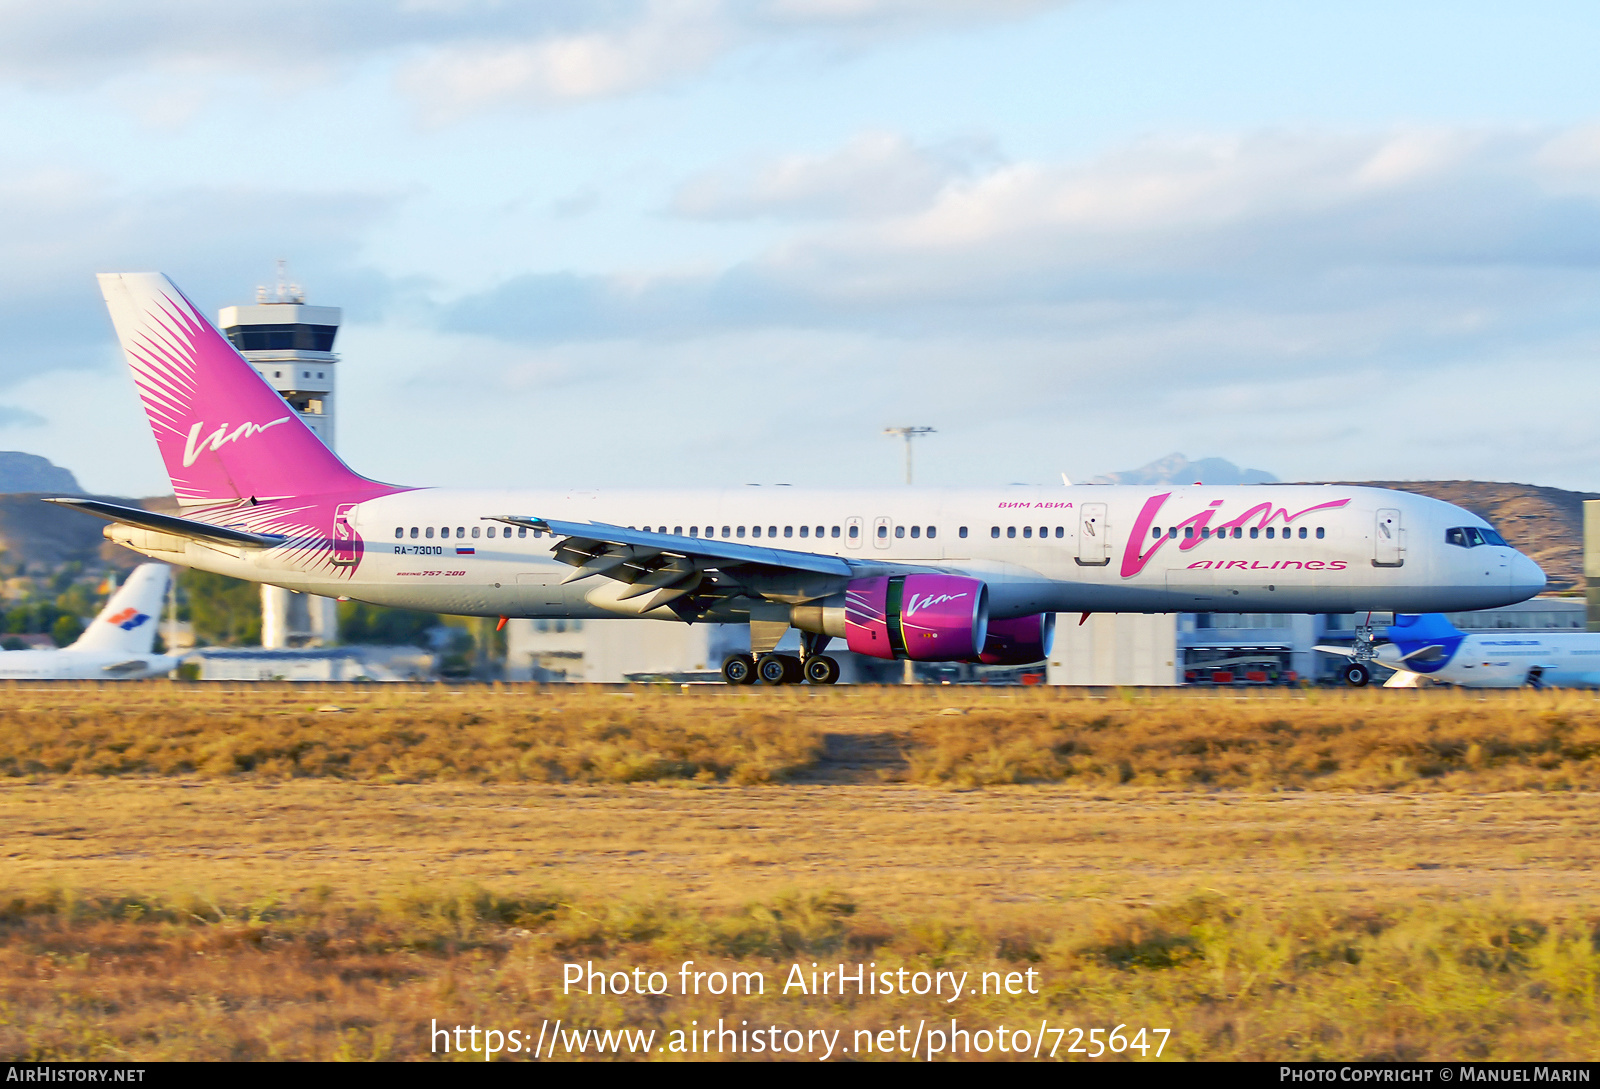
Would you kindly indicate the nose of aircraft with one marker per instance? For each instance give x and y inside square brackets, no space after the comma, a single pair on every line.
[1526,575]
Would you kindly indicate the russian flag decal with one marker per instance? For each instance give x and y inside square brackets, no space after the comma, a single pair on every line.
[466,551]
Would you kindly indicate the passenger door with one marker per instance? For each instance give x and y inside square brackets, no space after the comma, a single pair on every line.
[881,528]
[1094,550]
[1388,543]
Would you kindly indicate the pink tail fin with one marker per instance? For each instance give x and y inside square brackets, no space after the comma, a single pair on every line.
[224,433]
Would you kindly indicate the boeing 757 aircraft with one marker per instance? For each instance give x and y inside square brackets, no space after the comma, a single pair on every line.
[928,574]
[117,644]
[1429,647]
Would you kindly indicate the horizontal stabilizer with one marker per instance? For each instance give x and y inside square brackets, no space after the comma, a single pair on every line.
[167,523]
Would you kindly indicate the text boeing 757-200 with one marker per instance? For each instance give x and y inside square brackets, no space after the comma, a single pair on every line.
[920,573]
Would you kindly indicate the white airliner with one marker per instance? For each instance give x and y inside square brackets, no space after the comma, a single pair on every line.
[1430,648]
[918,573]
[117,644]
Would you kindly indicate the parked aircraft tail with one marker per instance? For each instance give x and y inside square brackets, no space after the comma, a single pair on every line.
[224,433]
[127,624]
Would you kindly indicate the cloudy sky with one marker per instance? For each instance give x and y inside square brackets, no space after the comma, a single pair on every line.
[721,241]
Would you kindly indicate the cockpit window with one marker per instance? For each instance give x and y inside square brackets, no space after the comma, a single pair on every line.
[1472,536]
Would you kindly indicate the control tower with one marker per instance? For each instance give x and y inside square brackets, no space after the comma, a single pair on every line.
[290,344]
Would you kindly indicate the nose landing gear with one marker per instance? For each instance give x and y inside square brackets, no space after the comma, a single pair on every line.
[1357,674]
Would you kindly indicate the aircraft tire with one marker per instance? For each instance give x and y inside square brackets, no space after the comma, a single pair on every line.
[822,669]
[772,669]
[739,669]
[794,671]
[1356,675]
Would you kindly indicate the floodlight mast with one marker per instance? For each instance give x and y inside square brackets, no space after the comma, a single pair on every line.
[908,433]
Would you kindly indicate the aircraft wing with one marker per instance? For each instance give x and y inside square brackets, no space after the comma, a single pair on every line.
[171,524]
[660,568]
[133,665]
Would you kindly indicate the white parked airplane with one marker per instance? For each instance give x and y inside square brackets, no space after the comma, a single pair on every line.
[918,573]
[117,644]
[1429,647]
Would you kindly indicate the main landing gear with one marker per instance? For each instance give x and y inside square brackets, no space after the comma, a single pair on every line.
[776,669]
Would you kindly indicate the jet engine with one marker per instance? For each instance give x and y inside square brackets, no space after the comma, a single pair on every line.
[1022,640]
[926,618]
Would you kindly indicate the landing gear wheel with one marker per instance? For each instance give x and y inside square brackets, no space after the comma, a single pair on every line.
[739,669]
[822,670]
[1356,675]
[772,669]
[793,671]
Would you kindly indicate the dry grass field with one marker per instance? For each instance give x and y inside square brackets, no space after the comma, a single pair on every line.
[280,872]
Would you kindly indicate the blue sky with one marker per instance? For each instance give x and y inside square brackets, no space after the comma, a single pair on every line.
[707,241]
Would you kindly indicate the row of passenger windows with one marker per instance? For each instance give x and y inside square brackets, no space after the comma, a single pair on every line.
[1027,531]
[755,531]
[426,532]
[1454,536]
[1171,532]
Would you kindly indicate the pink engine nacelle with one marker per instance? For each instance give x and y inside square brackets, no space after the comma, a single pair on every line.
[1022,640]
[926,618]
